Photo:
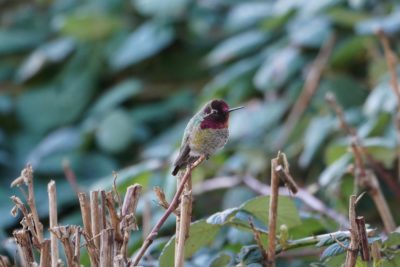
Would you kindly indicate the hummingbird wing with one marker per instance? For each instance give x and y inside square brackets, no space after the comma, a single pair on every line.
[182,159]
[184,152]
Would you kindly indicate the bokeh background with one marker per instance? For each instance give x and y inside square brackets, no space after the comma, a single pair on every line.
[109,85]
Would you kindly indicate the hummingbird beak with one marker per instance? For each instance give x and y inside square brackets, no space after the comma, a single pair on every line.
[233,109]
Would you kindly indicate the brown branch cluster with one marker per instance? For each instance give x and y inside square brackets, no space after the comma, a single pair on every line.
[107,225]
[279,172]
[358,235]
[365,177]
[359,150]
[391,61]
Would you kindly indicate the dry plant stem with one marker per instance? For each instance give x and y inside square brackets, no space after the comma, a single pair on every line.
[128,213]
[257,238]
[391,62]
[368,180]
[85,210]
[115,219]
[364,248]
[398,143]
[162,201]
[371,183]
[309,89]
[171,208]
[330,98]
[352,252]
[119,261]
[27,221]
[312,240]
[87,228]
[179,243]
[183,229]
[95,217]
[287,179]
[376,253]
[188,190]
[32,203]
[36,229]
[103,224]
[77,252]
[4,262]
[45,256]
[130,201]
[91,248]
[178,218]
[146,218]
[107,248]
[70,176]
[64,233]
[273,209]
[51,189]
[25,247]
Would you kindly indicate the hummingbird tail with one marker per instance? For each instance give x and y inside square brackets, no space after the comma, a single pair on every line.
[176,170]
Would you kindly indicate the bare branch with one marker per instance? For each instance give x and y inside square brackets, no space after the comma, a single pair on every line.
[172,207]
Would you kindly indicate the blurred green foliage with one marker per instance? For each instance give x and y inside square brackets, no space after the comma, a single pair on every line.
[110,84]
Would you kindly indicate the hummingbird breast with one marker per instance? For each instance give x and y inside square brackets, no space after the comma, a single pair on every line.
[207,141]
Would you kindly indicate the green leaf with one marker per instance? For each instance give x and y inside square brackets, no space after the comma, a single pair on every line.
[287,212]
[392,240]
[63,105]
[222,217]
[160,8]
[245,14]
[301,34]
[115,131]
[361,263]
[390,24]
[278,68]
[146,41]
[249,254]
[334,250]
[14,41]
[236,196]
[278,21]
[309,226]
[236,46]
[89,26]
[201,234]
[350,52]
[349,92]
[222,259]
[47,54]
[335,170]
[316,133]
[116,95]
[346,17]
[381,99]
[59,141]
[332,239]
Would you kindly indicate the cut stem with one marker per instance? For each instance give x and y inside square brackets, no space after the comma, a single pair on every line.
[273,209]
[51,189]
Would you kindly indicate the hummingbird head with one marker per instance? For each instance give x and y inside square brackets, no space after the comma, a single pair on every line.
[216,114]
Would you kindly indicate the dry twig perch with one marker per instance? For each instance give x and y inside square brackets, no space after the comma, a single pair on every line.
[173,205]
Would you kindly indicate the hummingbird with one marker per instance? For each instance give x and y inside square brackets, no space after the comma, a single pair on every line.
[206,132]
